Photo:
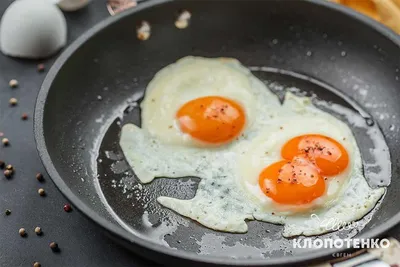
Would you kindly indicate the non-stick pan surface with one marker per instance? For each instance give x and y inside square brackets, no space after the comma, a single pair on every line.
[95,85]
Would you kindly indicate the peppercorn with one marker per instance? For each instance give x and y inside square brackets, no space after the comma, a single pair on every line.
[40,67]
[8,212]
[41,192]
[67,208]
[2,164]
[13,101]
[39,177]
[22,232]
[8,173]
[5,141]
[54,246]
[38,230]
[13,83]
[9,167]
[36,264]
[24,116]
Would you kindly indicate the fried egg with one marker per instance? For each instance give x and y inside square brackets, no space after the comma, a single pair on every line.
[286,162]
[303,144]
[203,102]
[307,163]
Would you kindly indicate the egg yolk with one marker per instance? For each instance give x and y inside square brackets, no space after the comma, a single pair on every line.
[212,119]
[292,182]
[327,154]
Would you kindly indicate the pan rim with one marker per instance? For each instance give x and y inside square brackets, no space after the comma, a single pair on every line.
[119,232]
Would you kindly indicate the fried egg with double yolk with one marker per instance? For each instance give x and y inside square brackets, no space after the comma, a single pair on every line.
[308,163]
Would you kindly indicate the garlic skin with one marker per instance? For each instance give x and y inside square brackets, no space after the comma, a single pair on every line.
[32,29]
[72,5]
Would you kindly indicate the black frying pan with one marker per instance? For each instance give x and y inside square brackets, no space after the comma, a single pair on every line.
[80,107]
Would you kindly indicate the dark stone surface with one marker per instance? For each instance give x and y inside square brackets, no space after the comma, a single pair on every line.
[81,242]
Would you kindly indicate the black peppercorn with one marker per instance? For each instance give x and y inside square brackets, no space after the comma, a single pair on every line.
[39,177]
[38,230]
[8,173]
[22,232]
[54,246]
[5,141]
[41,192]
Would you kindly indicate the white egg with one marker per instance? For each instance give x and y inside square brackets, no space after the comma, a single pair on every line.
[32,29]
[72,5]
[228,193]
[195,77]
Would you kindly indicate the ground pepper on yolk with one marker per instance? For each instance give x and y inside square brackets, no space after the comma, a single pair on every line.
[212,119]
[307,161]
[293,182]
[326,153]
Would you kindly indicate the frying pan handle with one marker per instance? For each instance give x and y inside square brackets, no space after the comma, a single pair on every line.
[376,257]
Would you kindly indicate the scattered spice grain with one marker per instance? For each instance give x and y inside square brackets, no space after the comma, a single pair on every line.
[41,192]
[38,230]
[22,232]
[13,101]
[8,173]
[67,208]
[39,177]
[40,67]
[54,246]
[13,83]
[5,141]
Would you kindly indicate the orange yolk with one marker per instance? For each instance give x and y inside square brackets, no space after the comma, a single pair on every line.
[327,154]
[212,119]
[292,182]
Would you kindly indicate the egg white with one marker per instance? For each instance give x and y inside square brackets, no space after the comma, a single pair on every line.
[228,192]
